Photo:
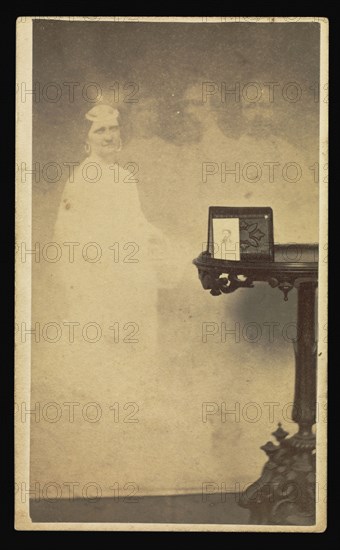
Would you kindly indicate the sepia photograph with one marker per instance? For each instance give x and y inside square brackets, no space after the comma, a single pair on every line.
[226,238]
[171,273]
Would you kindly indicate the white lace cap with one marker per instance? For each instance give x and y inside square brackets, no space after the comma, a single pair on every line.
[103,114]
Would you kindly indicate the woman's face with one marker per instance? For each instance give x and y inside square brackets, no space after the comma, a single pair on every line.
[104,140]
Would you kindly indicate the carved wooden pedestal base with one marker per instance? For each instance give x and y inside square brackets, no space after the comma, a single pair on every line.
[285,492]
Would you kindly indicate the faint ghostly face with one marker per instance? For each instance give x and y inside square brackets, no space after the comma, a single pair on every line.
[259,116]
[104,139]
[253,109]
[195,107]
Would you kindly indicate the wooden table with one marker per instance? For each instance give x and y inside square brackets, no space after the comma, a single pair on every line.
[285,492]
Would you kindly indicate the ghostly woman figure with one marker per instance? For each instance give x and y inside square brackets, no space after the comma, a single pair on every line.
[97,310]
[109,276]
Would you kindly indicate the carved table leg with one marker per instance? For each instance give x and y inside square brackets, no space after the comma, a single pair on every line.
[285,492]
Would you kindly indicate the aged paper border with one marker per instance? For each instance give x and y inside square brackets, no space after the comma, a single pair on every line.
[23,521]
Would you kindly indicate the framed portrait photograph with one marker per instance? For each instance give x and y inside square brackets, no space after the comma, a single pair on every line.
[243,233]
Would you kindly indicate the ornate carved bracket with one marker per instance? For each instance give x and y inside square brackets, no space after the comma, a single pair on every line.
[217,285]
[284,284]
